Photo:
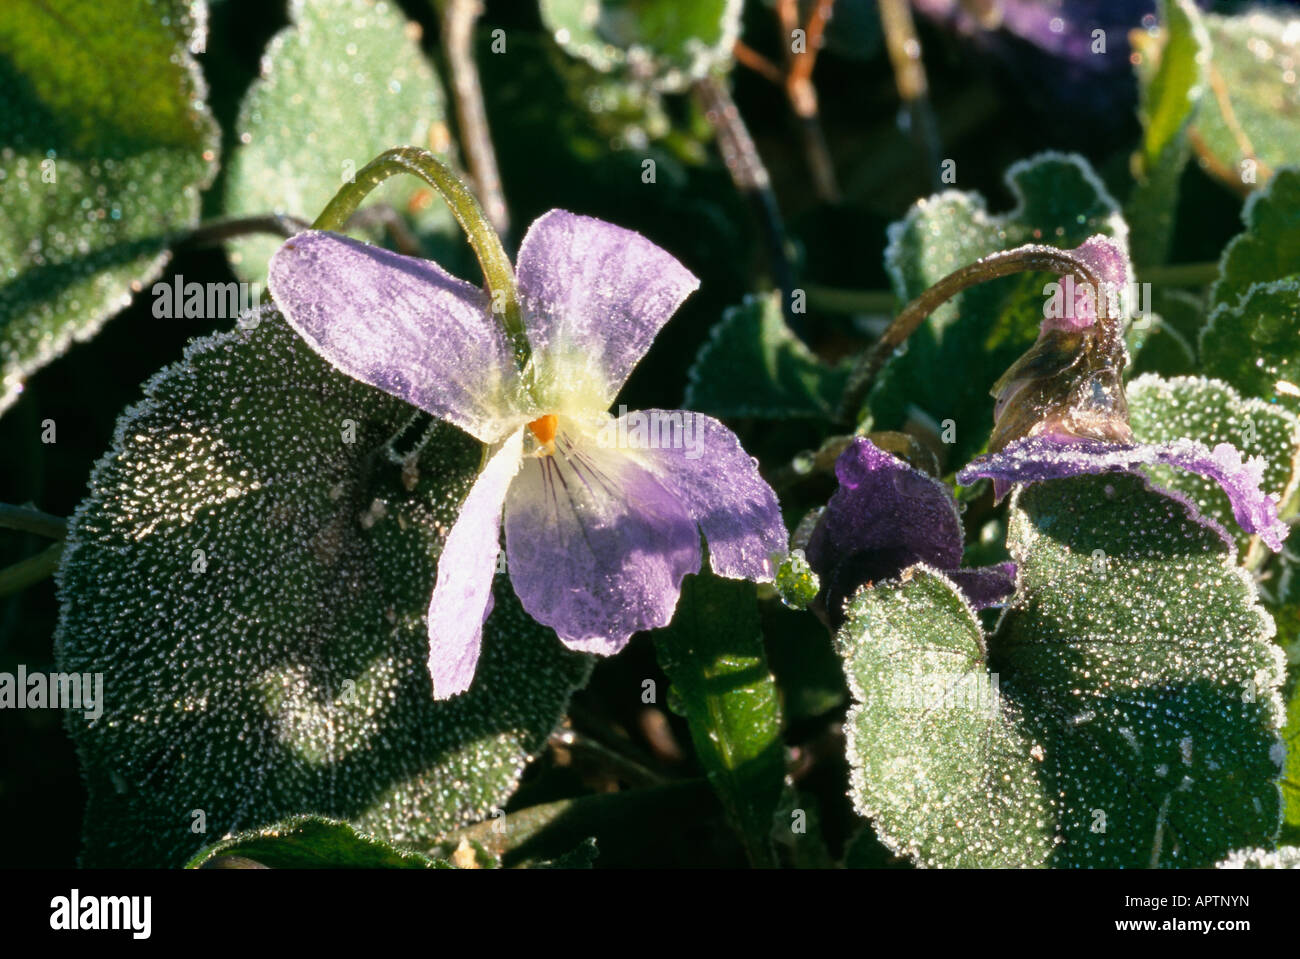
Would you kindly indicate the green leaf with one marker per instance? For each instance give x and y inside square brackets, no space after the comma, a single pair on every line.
[1255,345]
[309,842]
[1212,412]
[105,143]
[252,585]
[343,82]
[1171,78]
[1268,249]
[713,654]
[1137,711]
[1283,857]
[1166,344]
[753,365]
[668,43]
[1248,123]
[981,332]
[1291,775]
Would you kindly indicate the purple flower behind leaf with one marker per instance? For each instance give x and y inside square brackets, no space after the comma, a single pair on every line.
[600,531]
[885,517]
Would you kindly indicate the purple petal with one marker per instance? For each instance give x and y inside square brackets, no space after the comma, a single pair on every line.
[1035,459]
[595,296]
[884,517]
[1109,263]
[462,597]
[402,325]
[703,463]
[985,586]
[597,545]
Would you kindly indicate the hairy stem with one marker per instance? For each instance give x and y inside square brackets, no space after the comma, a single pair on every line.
[498,274]
[1004,263]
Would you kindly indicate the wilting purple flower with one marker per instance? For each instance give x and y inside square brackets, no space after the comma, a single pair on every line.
[598,536]
[1045,458]
[885,517]
[1061,409]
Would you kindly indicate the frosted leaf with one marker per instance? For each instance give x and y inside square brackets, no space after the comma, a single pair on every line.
[105,143]
[1211,412]
[753,365]
[343,82]
[250,573]
[1266,251]
[1284,857]
[665,42]
[1136,712]
[308,842]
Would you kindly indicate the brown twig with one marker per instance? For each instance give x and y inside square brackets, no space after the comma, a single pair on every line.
[458,21]
[751,179]
[909,76]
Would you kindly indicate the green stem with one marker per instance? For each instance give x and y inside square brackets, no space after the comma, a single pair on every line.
[1180,274]
[28,519]
[1022,259]
[498,274]
[31,570]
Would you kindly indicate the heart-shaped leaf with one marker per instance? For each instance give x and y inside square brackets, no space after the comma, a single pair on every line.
[250,575]
[343,82]
[1248,121]
[753,365]
[309,842]
[663,42]
[105,143]
[1135,714]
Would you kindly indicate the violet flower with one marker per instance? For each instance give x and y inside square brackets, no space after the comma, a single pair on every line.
[885,517]
[599,535]
[1061,409]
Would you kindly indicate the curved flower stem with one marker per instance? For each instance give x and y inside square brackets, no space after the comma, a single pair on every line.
[498,274]
[1004,263]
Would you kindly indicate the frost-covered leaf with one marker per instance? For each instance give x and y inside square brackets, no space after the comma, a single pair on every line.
[1212,412]
[1171,68]
[1166,344]
[1269,248]
[1137,715]
[982,331]
[1291,775]
[1248,121]
[665,42]
[343,82]
[753,365]
[310,842]
[105,143]
[250,574]
[948,786]
[713,654]
[1255,345]
[1284,857]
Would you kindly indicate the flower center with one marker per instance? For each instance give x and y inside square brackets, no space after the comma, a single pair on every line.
[543,429]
